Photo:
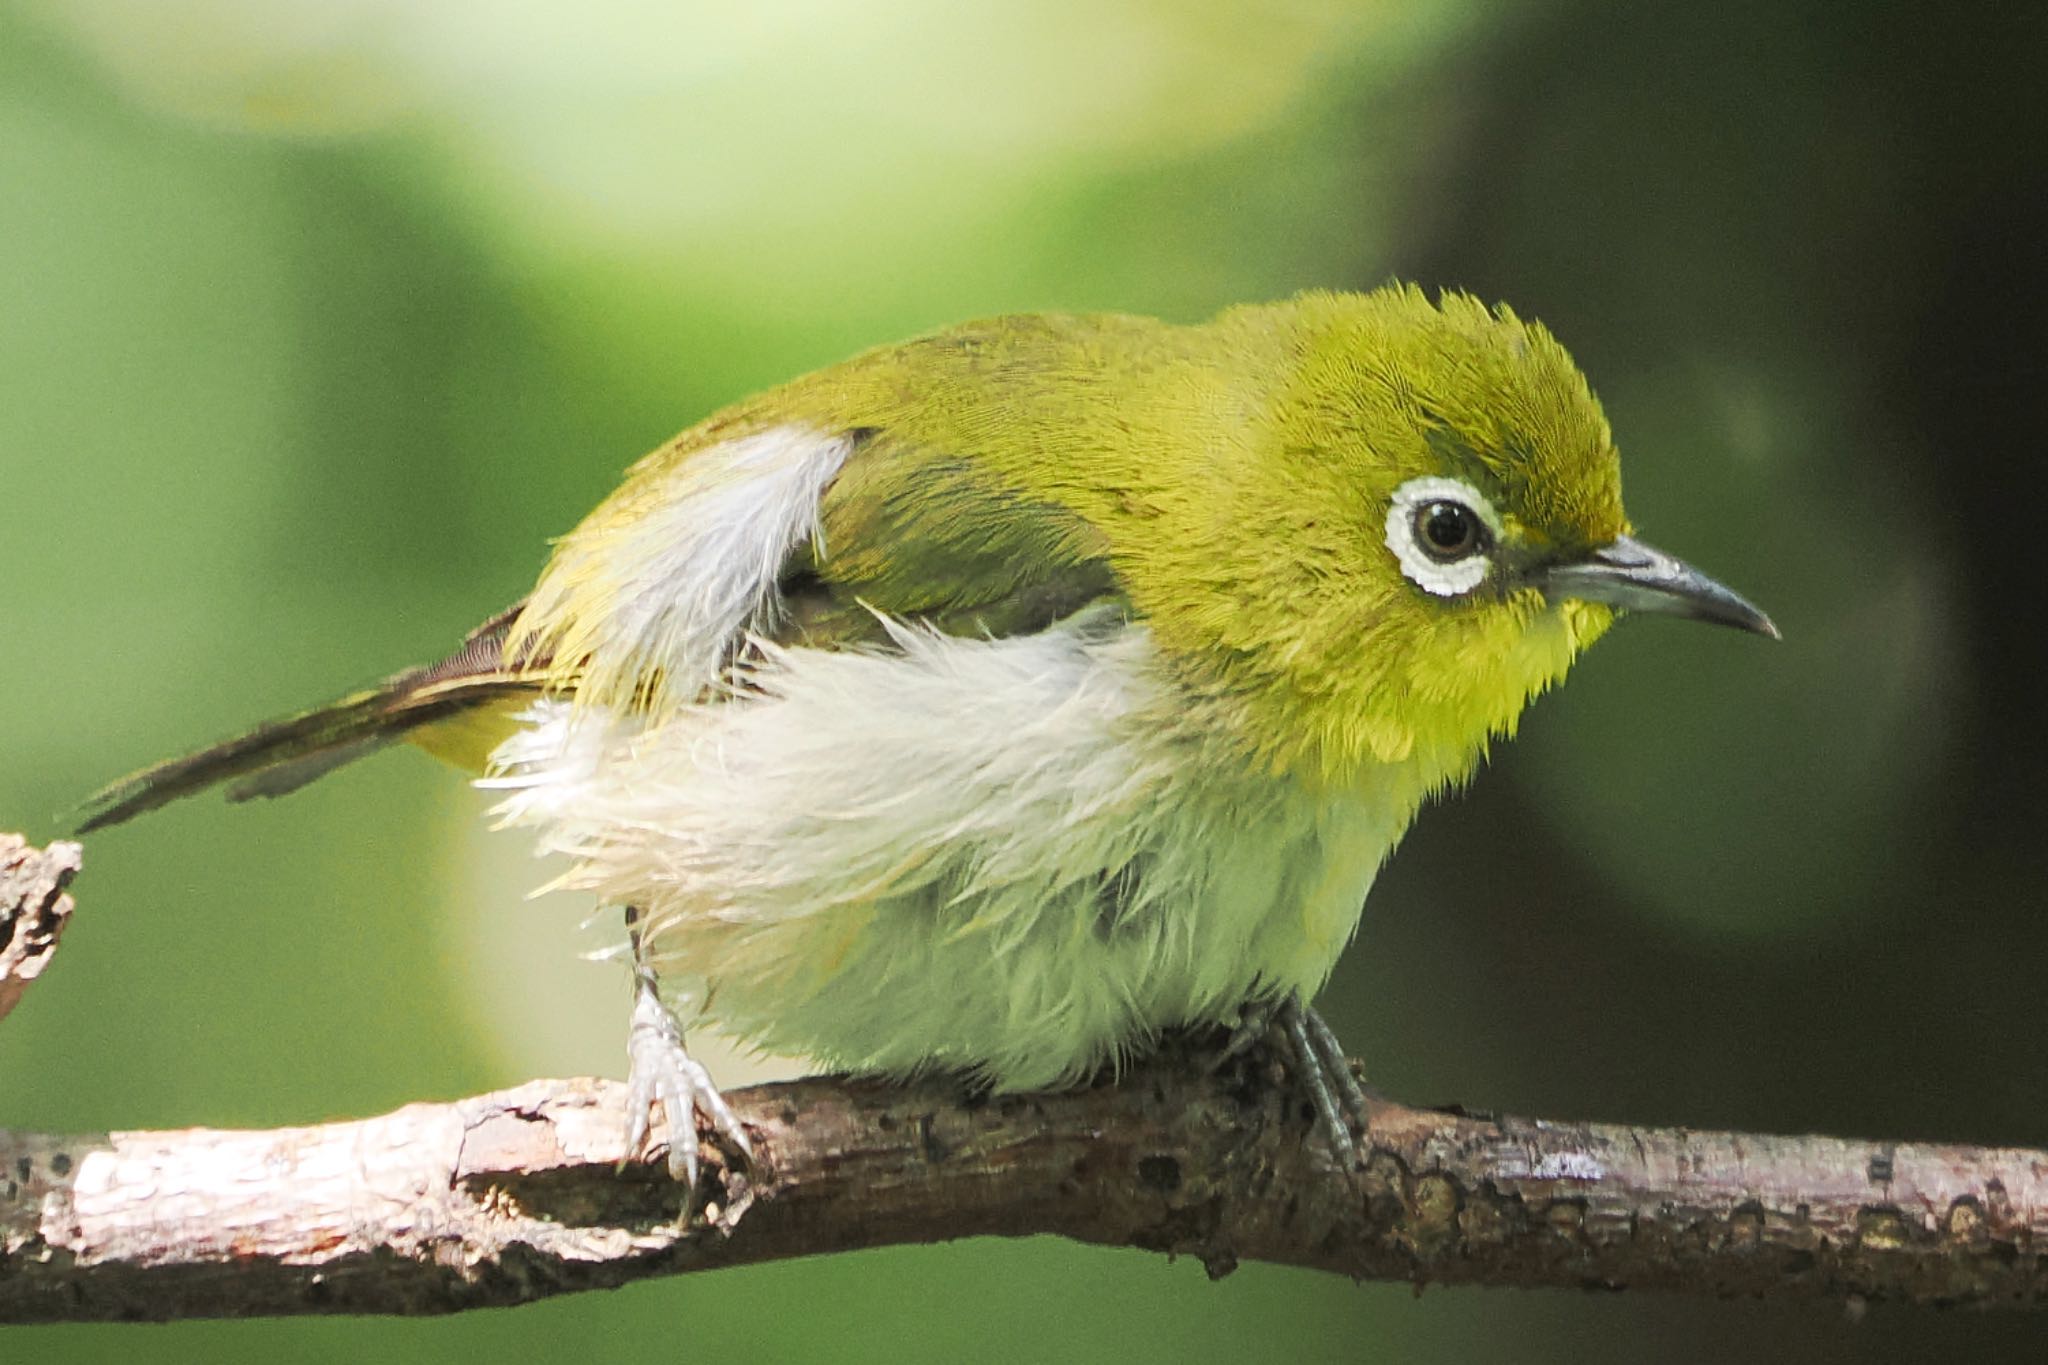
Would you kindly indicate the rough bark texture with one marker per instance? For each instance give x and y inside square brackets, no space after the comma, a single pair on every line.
[33,910]
[509,1197]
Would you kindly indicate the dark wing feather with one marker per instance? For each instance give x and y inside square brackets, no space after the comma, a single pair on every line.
[932,537]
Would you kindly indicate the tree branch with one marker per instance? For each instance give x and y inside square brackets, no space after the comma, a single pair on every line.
[514,1196]
[33,911]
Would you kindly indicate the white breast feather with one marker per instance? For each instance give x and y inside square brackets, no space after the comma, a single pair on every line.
[895,859]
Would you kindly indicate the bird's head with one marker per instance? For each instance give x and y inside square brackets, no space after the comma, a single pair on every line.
[1431,530]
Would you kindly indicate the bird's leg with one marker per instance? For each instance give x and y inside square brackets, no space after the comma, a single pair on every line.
[660,1071]
[1341,1103]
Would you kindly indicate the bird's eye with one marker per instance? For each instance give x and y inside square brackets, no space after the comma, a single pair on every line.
[1442,532]
[1448,531]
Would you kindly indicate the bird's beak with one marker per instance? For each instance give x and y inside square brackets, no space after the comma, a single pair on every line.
[1631,575]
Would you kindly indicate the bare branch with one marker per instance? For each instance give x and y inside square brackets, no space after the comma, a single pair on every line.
[33,910]
[514,1196]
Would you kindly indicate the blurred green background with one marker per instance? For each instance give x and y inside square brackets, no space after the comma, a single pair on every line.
[316,321]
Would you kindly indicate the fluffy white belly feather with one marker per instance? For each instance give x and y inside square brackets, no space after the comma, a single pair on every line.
[1015,857]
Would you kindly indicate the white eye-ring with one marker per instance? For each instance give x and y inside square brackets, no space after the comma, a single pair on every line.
[1441,531]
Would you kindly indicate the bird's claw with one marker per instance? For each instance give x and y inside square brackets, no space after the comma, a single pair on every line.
[662,1072]
[1341,1103]
[1255,1023]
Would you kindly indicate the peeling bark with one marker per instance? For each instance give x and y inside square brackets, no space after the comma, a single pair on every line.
[33,911]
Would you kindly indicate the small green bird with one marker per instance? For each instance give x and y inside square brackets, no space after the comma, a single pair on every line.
[997,700]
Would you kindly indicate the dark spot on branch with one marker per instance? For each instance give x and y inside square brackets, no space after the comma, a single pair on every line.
[1161,1173]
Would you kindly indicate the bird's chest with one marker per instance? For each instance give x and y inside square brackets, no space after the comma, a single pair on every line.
[1033,950]
[1309,875]
[1013,856]
[1260,891]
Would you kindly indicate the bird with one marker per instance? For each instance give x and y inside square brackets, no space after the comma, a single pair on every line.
[1003,700]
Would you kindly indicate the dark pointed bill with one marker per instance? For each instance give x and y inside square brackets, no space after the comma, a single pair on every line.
[1633,576]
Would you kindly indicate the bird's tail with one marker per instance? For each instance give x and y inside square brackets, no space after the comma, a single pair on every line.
[446,707]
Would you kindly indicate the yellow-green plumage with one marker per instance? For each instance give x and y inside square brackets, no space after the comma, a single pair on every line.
[1229,475]
[999,698]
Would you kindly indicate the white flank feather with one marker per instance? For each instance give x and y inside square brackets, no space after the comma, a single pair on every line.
[1012,856]
[654,590]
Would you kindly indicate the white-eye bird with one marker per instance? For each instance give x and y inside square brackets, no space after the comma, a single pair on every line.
[997,700]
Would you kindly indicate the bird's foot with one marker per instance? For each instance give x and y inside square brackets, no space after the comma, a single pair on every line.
[1343,1106]
[1256,1022]
[662,1072]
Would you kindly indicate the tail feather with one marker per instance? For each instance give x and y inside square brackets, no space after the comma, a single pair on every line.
[286,754]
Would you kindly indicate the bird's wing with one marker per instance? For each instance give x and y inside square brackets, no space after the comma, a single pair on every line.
[930,536]
[903,532]
[802,536]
